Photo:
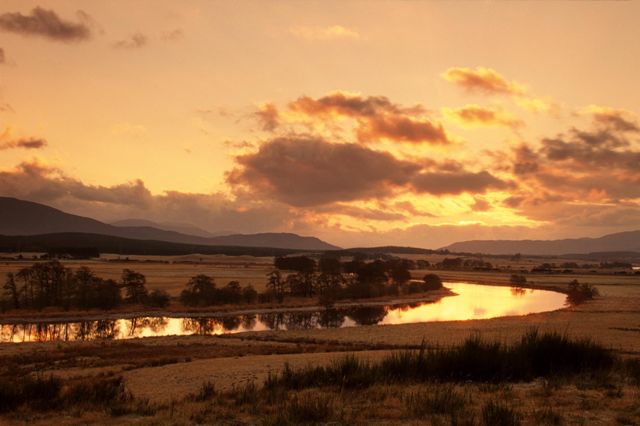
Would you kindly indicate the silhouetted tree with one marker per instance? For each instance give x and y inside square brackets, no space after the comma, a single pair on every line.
[134,285]
[200,291]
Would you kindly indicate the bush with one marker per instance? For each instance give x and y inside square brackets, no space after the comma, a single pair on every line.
[518,279]
[442,400]
[158,299]
[432,282]
[39,393]
[579,293]
[475,360]
[207,391]
[309,408]
[499,414]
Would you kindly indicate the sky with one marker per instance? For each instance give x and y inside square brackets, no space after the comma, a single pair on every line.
[363,123]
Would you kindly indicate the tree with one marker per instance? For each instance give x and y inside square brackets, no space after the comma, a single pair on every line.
[329,265]
[275,284]
[134,284]
[200,291]
[432,282]
[249,294]
[12,290]
[158,299]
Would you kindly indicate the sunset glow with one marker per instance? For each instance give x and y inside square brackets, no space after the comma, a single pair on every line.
[362,123]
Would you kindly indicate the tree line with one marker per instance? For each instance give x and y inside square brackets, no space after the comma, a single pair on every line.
[51,284]
[331,280]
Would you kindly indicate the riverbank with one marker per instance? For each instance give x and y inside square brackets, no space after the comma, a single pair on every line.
[299,305]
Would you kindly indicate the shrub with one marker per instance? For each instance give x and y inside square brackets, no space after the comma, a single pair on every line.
[158,299]
[309,408]
[432,282]
[579,293]
[442,400]
[499,414]
[518,279]
[207,391]
[475,360]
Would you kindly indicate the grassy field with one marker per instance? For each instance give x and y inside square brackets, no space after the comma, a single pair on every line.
[171,273]
[166,379]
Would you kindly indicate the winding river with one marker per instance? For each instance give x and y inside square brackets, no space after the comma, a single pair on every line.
[472,301]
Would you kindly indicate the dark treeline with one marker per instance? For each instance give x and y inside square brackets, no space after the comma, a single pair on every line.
[332,280]
[51,284]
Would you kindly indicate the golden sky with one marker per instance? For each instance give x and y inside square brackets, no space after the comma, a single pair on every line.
[363,122]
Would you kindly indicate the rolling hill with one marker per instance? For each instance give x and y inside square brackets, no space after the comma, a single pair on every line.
[25,218]
[618,242]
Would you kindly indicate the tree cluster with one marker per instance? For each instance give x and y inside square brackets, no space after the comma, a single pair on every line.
[201,290]
[51,284]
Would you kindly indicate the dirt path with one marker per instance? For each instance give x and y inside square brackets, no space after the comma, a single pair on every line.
[162,384]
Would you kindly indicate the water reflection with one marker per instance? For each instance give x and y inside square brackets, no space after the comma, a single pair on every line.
[472,302]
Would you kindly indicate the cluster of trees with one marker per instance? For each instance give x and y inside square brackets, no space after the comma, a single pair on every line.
[462,263]
[51,284]
[331,279]
[579,293]
[201,290]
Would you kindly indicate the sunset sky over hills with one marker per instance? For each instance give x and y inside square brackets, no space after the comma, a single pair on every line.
[362,123]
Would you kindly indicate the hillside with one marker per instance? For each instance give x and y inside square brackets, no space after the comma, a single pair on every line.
[72,242]
[619,242]
[18,217]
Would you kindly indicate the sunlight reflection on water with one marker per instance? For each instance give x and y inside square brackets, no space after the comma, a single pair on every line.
[472,301]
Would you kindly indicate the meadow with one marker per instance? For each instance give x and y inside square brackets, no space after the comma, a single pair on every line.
[242,378]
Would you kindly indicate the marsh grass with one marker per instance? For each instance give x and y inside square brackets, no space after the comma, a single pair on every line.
[548,355]
[441,399]
[495,413]
[207,391]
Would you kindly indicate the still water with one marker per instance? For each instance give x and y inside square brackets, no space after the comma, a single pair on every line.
[472,301]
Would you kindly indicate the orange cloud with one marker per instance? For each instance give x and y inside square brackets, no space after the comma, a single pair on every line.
[488,81]
[476,115]
[485,80]
[376,116]
[25,143]
[45,23]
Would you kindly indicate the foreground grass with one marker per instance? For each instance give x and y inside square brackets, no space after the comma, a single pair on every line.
[535,355]
[541,379]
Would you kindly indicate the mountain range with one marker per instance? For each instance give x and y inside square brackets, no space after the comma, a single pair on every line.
[25,218]
[618,242]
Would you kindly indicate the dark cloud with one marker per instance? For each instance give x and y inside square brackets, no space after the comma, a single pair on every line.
[268,117]
[484,80]
[377,117]
[603,149]
[49,185]
[4,107]
[46,23]
[345,104]
[29,143]
[362,213]
[441,183]
[582,177]
[305,171]
[402,129]
[618,120]
[3,58]
[135,41]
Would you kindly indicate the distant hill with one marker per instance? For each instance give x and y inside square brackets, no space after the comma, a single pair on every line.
[72,241]
[619,242]
[183,228]
[18,217]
